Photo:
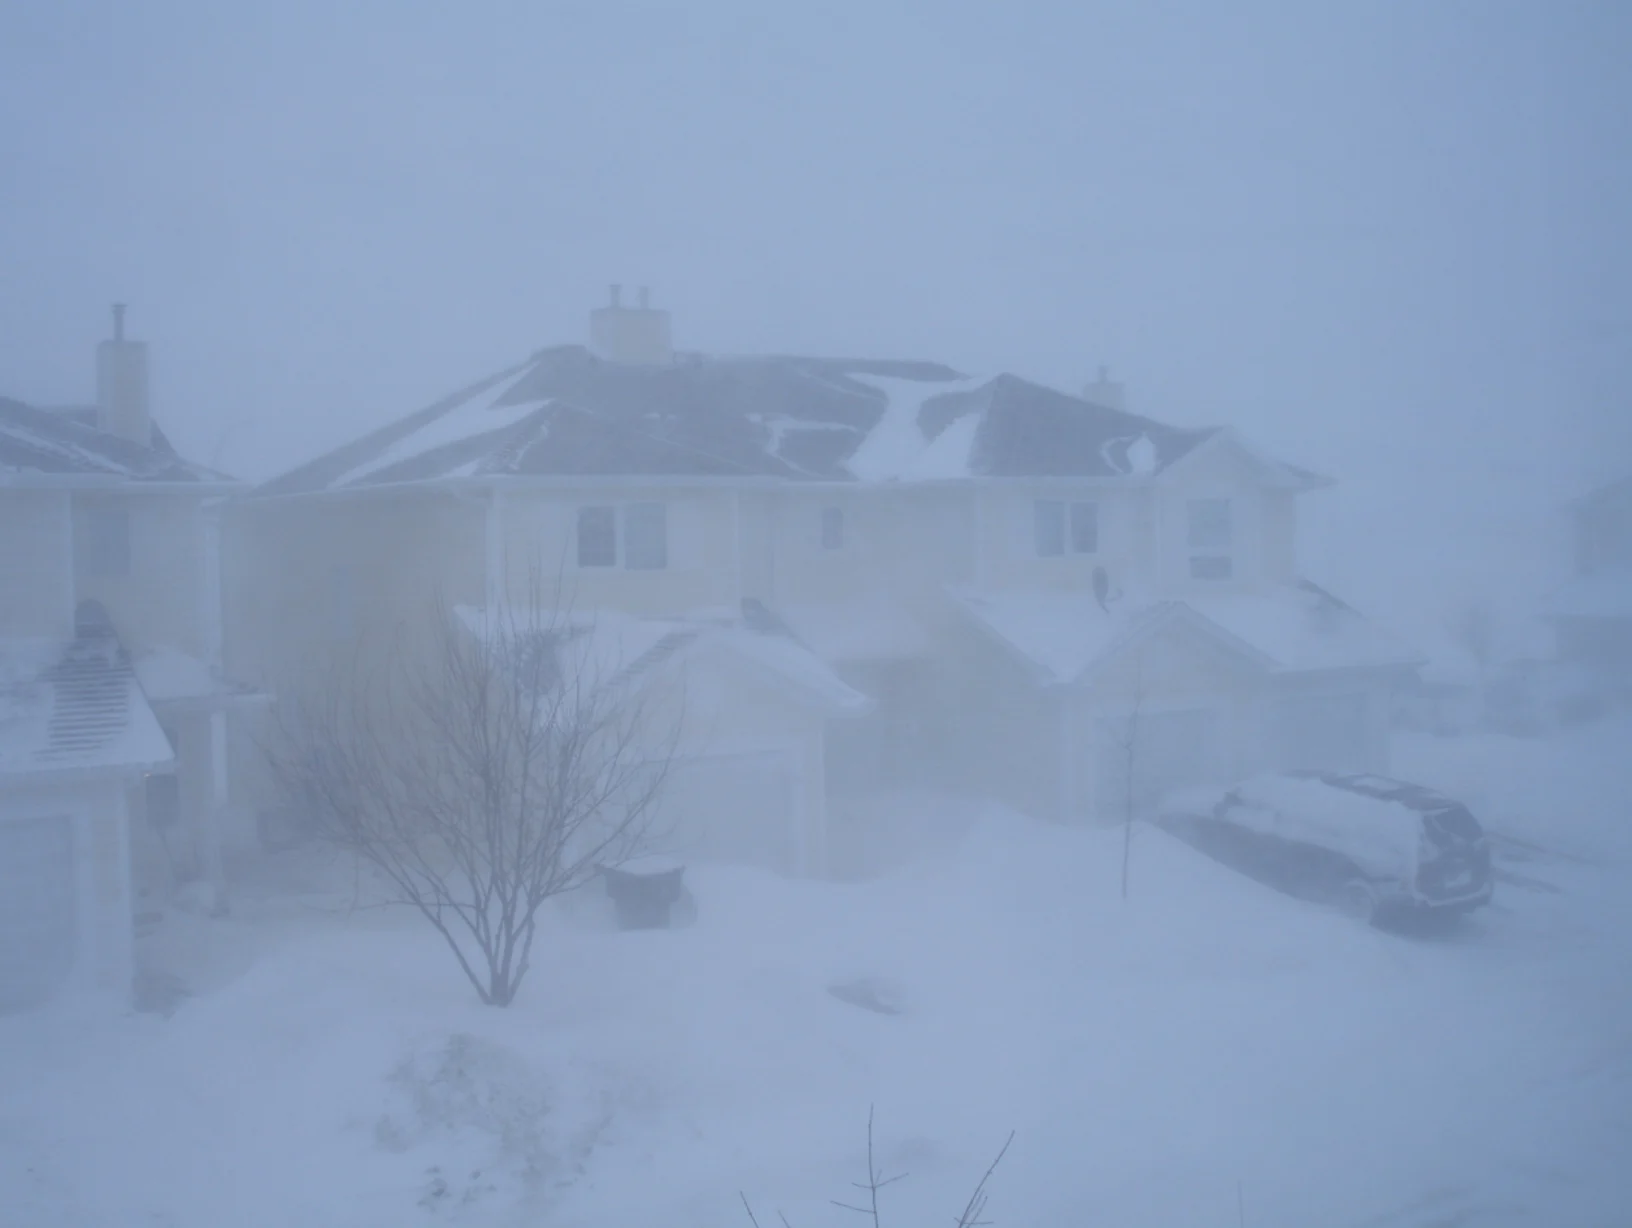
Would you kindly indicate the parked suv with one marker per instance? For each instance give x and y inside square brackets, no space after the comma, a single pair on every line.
[1373,846]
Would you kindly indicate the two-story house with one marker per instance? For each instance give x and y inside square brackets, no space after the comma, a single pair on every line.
[984,559]
[113,709]
[1591,613]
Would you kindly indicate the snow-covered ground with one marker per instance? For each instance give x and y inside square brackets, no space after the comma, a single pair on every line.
[1206,1041]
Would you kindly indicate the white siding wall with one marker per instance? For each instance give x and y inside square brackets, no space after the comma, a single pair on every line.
[104,961]
[36,571]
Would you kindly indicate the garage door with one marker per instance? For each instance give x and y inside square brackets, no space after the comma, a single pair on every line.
[37,912]
[737,809]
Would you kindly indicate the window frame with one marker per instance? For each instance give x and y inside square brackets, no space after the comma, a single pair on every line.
[1072,524]
[653,554]
[580,522]
[609,523]
[1210,547]
[1048,528]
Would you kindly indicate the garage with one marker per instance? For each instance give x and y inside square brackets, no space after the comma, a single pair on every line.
[736,809]
[38,909]
[1326,733]
[1163,751]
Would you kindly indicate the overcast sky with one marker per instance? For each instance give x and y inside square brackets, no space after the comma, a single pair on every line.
[1387,240]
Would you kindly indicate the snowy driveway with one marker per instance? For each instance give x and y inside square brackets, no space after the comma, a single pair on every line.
[1205,1041]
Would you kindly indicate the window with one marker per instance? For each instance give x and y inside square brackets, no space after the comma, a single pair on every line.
[832,528]
[645,537]
[597,537]
[1057,525]
[1210,536]
[1084,528]
[105,544]
[1048,528]
[644,529]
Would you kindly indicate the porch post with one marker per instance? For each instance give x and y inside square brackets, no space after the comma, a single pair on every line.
[214,869]
[1069,749]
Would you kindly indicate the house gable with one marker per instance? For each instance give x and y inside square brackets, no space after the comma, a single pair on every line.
[1174,652]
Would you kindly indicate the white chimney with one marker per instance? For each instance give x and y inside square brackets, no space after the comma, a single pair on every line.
[121,385]
[636,335]
[1106,391]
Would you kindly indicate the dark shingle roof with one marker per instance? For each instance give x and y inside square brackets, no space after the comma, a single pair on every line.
[566,413]
[68,443]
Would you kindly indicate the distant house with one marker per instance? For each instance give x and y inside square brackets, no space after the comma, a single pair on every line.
[983,559]
[112,703]
[1592,611]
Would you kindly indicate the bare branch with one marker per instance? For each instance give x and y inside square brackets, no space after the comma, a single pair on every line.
[874,1182]
[490,762]
[976,1206]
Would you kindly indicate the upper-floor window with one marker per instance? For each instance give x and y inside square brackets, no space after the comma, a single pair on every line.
[1059,527]
[104,544]
[643,535]
[646,537]
[597,536]
[1210,536]
[832,528]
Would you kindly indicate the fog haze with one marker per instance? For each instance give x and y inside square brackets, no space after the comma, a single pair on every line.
[1386,241]
[605,796]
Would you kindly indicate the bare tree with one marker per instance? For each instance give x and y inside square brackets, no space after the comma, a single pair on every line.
[1127,746]
[876,1181]
[498,765]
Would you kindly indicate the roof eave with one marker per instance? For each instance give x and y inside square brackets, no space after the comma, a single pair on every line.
[96,772]
[227,701]
[113,481]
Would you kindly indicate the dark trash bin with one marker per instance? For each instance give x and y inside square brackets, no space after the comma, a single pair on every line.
[644,901]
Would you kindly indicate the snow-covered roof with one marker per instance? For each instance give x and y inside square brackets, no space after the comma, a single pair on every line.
[1288,629]
[566,412]
[75,705]
[1605,593]
[170,676]
[67,443]
[868,628]
[610,648]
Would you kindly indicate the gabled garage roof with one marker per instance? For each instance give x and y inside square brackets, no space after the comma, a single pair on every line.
[75,706]
[1065,638]
[612,648]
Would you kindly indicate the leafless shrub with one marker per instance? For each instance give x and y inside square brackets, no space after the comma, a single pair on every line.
[970,1217]
[482,772]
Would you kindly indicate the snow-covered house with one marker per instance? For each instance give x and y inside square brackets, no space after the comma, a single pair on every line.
[111,698]
[940,543]
[1591,613]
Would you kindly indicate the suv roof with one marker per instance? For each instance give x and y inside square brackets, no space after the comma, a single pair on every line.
[1384,788]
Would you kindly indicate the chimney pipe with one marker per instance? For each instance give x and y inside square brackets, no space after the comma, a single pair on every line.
[638,336]
[1106,391]
[121,385]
